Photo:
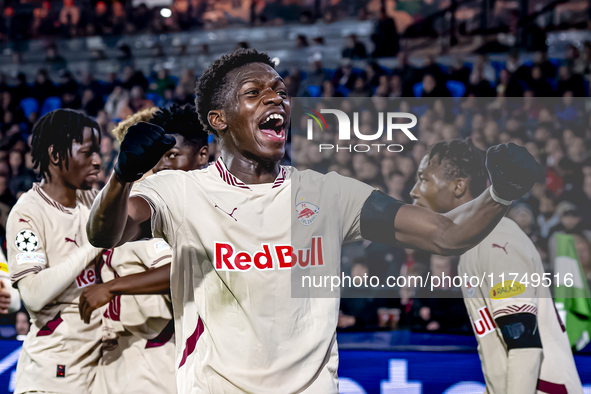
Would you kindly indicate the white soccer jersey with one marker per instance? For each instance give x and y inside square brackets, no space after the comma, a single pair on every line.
[238,328]
[140,358]
[60,352]
[507,249]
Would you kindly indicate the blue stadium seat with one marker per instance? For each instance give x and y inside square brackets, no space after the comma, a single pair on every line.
[50,104]
[154,97]
[29,105]
[314,91]
[456,88]
[175,79]
[417,89]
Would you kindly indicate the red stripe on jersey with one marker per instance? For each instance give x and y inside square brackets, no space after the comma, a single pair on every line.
[163,337]
[168,256]
[50,327]
[551,388]
[192,342]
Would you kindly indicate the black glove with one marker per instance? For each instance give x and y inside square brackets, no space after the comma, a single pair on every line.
[512,170]
[141,149]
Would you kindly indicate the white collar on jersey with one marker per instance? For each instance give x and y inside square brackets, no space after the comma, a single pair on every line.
[230,179]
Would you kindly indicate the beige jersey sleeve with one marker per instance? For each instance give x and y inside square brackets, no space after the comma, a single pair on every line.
[510,262]
[164,192]
[156,254]
[26,252]
[352,195]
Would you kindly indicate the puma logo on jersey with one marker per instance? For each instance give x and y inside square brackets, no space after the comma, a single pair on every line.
[501,247]
[229,214]
[271,257]
[71,240]
[21,220]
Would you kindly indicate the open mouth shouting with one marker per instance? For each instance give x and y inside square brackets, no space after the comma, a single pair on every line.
[273,126]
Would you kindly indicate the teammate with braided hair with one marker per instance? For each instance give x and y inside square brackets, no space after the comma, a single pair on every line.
[51,260]
[237,246]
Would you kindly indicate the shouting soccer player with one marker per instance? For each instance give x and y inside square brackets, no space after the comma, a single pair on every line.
[51,259]
[522,343]
[237,327]
[140,328]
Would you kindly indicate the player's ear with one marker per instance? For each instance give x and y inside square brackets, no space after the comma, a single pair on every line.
[53,156]
[217,119]
[203,156]
[461,187]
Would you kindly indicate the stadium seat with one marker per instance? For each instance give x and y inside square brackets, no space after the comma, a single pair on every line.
[154,97]
[50,104]
[314,91]
[456,88]
[29,105]
[417,89]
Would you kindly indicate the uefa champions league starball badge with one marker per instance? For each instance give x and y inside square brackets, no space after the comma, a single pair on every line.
[26,241]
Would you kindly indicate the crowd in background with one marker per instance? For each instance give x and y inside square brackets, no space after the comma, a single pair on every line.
[540,105]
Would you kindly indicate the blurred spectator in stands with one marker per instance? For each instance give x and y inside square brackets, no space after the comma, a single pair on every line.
[445,310]
[359,308]
[91,102]
[118,18]
[12,107]
[583,247]
[385,36]
[141,18]
[21,90]
[182,96]
[569,82]
[56,61]
[344,76]
[539,84]
[196,10]
[188,80]
[508,86]
[541,60]
[523,215]
[69,18]
[131,78]
[101,19]
[548,217]
[433,88]
[360,87]
[409,290]
[407,73]
[301,42]
[373,74]
[42,21]
[88,81]
[395,86]
[571,221]
[163,82]
[116,101]
[125,57]
[586,202]
[137,102]
[353,48]
[478,84]
[22,325]
[459,71]
[21,177]
[6,197]
[69,91]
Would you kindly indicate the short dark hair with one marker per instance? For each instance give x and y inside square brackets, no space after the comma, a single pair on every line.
[59,128]
[183,121]
[461,159]
[212,85]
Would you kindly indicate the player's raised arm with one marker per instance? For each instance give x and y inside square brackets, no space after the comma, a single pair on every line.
[116,218]
[513,172]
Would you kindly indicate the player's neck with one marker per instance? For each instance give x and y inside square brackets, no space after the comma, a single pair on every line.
[57,190]
[251,172]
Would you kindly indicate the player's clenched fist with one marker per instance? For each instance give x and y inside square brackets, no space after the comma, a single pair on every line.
[141,149]
[513,170]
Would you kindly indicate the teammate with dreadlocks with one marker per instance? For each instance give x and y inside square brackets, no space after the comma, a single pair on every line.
[51,259]
[238,329]
[138,329]
[521,340]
